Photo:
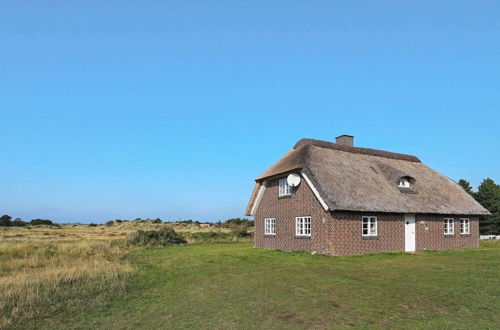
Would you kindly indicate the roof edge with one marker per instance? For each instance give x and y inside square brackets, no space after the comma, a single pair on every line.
[356,150]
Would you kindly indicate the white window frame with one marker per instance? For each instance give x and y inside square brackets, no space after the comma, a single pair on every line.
[449,226]
[270,226]
[303,226]
[464,226]
[404,183]
[370,230]
[284,188]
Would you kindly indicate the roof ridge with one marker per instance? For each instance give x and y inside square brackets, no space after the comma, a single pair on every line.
[356,150]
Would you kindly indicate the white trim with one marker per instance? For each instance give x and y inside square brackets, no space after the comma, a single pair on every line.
[301,230]
[404,183]
[316,193]
[449,228]
[462,226]
[270,226]
[258,198]
[371,219]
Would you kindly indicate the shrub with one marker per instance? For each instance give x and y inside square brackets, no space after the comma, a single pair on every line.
[5,220]
[241,231]
[109,223]
[163,237]
[240,221]
[92,225]
[19,223]
[38,222]
[158,220]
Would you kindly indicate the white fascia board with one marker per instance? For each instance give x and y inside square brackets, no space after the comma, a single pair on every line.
[315,191]
[258,198]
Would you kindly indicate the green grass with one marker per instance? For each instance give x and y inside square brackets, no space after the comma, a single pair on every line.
[237,286]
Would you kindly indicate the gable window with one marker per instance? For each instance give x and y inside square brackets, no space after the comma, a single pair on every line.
[369,227]
[404,183]
[270,226]
[464,226]
[284,189]
[303,226]
[449,227]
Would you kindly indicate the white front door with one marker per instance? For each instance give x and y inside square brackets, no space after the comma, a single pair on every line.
[409,232]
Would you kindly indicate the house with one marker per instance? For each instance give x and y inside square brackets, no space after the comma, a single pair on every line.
[337,199]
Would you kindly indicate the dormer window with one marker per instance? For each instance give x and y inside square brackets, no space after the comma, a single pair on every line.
[404,183]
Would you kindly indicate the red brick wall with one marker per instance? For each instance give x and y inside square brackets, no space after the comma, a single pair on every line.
[301,203]
[348,238]
[339,233]
[435,239]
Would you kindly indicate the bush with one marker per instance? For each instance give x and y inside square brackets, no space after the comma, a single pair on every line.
[241,231]
[19,223]
[92,225]
[5,220]
[38,222]
[163,237]
[110,223]
[157,220]
[234,223]
[240,221]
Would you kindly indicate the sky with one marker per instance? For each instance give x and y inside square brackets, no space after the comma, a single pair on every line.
[171,109]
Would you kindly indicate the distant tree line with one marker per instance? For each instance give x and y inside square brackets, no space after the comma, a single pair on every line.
[226,223]
[488,195]
[6,221]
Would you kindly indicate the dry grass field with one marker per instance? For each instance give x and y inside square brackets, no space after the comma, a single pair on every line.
[46,268]
[85,277]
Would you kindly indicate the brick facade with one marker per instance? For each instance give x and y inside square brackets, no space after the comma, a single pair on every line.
[435,239]
[339,233]
[302,202]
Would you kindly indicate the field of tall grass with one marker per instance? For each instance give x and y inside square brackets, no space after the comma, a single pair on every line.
[39,278]
[48,269]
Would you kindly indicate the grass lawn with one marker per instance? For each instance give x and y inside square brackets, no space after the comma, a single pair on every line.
[237,286]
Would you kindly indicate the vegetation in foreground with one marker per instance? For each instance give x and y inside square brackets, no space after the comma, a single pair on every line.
[237,286]
[46,268]
[88,277]
[41,278]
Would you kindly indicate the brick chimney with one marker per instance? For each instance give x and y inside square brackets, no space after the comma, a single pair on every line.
[345,140]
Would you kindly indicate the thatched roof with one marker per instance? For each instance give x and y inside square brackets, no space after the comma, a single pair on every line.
[360,179]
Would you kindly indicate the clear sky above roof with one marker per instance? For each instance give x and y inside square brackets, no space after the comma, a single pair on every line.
[124,109]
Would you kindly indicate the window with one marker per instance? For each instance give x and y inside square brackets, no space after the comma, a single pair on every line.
[404,183]
[448,226]
[303,226]
[270,226]
[369,226]
[464,226]
[285,189]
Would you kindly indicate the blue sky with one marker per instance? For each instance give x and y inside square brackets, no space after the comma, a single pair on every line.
[170,109]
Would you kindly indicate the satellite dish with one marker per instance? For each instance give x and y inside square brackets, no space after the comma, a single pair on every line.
[293,180]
